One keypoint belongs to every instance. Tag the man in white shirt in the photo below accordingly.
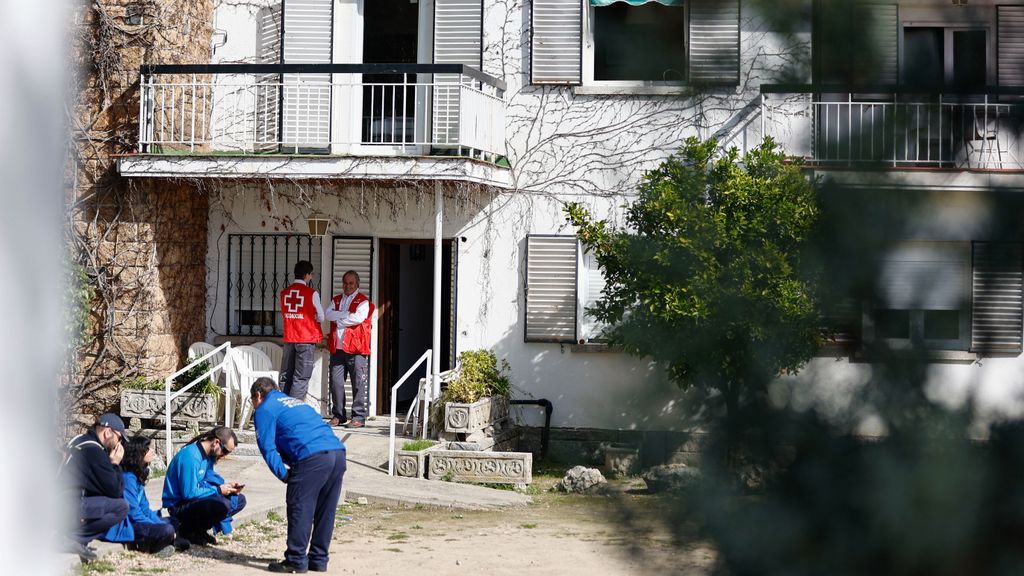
(350, 314)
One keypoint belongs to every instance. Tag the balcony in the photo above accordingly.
(320, 120)
(881, 127)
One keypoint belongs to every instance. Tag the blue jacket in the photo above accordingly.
(191, 476)
(139, 511)
(289, 430)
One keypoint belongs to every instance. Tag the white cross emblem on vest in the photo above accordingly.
(293, 301)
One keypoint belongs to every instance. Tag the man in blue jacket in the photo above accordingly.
(301, 450)
(195, 495)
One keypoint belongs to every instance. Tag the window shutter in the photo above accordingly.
(997, 305)
(550, 288)
(458, 30)
(884, 35)
(268, 91)
(352, 253)
(556, 42)
(715, 42)
(308, 29)
(591, 286)
(1010, 44)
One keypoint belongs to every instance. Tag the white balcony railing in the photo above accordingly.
(358, 109)
(960, 131)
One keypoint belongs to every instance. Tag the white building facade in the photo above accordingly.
(483, 117)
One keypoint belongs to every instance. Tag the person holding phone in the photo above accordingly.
(92, 470)
(194, 494)
(302, 451)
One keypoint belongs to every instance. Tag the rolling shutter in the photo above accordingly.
(352, 253)
(996, 314)
(1010, 44)
(308, 27)
(883, 31)
(268, 90)
(550, 288)
(458, 30)
(592, 285)
(715, 42)
(556, 42)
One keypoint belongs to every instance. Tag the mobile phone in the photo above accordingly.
(240, 486)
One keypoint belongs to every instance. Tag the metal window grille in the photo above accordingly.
(259, 267)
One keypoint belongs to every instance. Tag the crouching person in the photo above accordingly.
(302, 451)
(92, 470)
(152, 533)
(195, 495)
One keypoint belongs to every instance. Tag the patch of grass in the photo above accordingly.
(417, 527)
(141, 570)
(96, 567)
(497, 486)
(344, 510)
(393, 549)
(274, 516)
(417, 445)
(457, 516)
(528, 526)
(398, 536)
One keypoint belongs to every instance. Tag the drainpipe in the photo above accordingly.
(544, 435)
(435, 364)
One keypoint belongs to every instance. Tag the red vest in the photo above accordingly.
(357, 338)
(299, 312)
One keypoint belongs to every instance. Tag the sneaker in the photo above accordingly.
(201, 539)
(285, 567)
(182, 544)
(85, 554)
(335, 422)
(165, 552)
(317, 568)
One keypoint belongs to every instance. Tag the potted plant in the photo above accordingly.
(410, 461)
(142, 398)
(477, 396)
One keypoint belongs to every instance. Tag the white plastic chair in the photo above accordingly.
(273, 351)
(200, 349)
(248, 364)
(319, 393)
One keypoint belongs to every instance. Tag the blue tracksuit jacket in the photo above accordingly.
(289, 430)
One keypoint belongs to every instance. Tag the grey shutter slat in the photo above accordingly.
(458, 26)
(550, 288)
(352, 254)
(556, 43)
(1010, 45)
(308, 29)
(714, 47)
(996, 312)
(883, 32)
(268, 90)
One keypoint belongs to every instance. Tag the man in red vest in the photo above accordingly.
(350, 315)
(300, 307)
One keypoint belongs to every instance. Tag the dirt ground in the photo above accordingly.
(558, 535)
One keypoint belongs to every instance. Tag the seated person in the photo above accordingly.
(195, 495)
(92, 471)
(152, 533)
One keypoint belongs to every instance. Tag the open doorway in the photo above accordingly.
(405, 314)
(389, 37)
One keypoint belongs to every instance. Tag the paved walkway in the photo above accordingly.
(366, 477)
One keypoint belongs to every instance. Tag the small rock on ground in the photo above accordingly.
(581, 480)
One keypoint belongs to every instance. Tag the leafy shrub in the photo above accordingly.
(479, 377)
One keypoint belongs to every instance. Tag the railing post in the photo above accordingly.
(168, 446)
(192, 134)
(142, 112)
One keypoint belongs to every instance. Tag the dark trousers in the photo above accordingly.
(151, 537)
(314, 486)
(356, 366)
(296, 369)
(96, 515)
(204, 513)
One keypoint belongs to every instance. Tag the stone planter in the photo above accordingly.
(479, 466)
(188, 407)
(413, 463)
(470, 418)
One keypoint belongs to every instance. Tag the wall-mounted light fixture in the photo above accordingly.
(318, 224)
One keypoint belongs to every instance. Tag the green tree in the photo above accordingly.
(707, 276)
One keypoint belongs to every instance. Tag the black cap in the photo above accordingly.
(112, 421)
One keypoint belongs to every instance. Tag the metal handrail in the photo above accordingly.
(168, 397)
(394, 407)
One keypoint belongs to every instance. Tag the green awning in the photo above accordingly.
(636, 2)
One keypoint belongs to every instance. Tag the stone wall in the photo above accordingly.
(587, 446)
(143, 243)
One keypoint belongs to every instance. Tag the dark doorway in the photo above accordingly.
(389, 37)
(405, 314)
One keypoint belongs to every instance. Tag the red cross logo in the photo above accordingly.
(293, 301)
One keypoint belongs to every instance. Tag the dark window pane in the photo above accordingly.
(942, 324)
(639, 42)
(922, 57)
(968, 59)
(892, 324)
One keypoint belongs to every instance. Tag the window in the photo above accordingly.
(923, 297)
(259, 267)
(936, 57)
(646, 42)
(635, 42)
(562, 281)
